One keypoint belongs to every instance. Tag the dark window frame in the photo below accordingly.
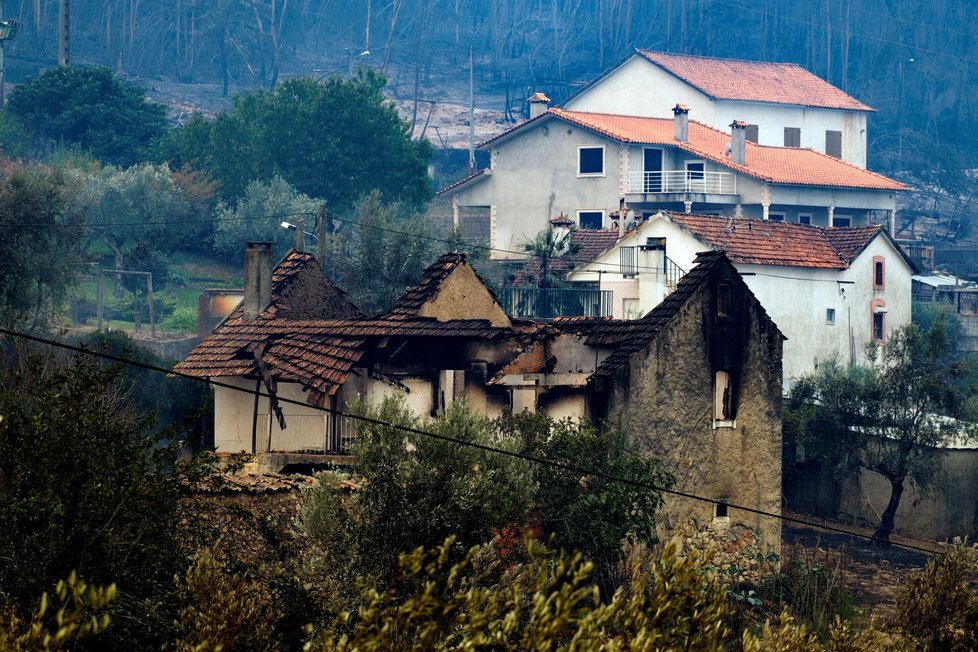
(593, 166)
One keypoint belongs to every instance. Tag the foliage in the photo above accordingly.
(392, 247)
(142, 203)
(144, 257)
(417, 490)
(170, 401)
(85, 484)
(258, 214)
(546, 247)
(39, 254)
(937, 607)
(183, 318)
(222, 610)
(88, 107)
(889, 417)
(548, 603)
(83, 614)
(590, 513)
(337, 139)
(812, 586)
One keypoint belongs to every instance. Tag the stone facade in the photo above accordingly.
(666, 399)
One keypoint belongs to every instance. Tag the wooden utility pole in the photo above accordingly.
(471, 111)
(64, 51)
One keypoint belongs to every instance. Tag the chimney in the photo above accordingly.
(258, 279)
(538, 104)
(738, 142)
(680, 121)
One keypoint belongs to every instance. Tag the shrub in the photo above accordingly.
(182, 319)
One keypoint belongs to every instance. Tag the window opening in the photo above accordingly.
(833, 143)
(723, 397)
(590, 219)
(590, 161)
(792, 137)
(830, 315)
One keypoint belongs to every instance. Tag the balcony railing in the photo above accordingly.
(547, 303)
(711, 183)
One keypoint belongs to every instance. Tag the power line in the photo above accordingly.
(454, 440)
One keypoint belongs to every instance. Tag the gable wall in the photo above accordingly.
(664, 401)
(462, 295)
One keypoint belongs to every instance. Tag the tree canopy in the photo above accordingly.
(335, 139)
(90, 108)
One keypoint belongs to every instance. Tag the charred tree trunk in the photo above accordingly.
(881, 537)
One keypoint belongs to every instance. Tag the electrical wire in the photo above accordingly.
(454, 440)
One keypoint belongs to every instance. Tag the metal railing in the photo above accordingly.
(547, 303)
(711, 183)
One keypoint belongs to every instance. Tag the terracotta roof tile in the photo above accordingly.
(786, 165)
(761, 242)
(754, 81)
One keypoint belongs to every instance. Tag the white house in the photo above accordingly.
(584, 164)
(829, 290)
(782, 103)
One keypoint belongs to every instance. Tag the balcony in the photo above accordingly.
(547, 303)
(682, 181)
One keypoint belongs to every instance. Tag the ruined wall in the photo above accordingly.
(664, 399)
(463, 296)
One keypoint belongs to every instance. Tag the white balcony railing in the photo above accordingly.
(711, 183)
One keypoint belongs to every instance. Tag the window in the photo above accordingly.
(833, 143)
(694, 176)
(775, 217)
(629, 260)
(879, 272)
(804, 218)
(720, 510)
(590, 161)
(723, 397)
(751, 133)
(792, 137)
(724, 299)
(830, 315)
(842, 221)
(879, 324)
(590, 219)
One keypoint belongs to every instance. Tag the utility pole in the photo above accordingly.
(471, 112)
(64, 51)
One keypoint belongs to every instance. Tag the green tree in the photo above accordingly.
(417, 490)
(890, 417)
(86, 484)
(546, 247)
(378, 252)
(90, 108)
(258, 215)
(590, 513)
(336, 139)
(143, 203)
(40, 256)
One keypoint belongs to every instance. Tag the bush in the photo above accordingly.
(936, 606)
(183, 318)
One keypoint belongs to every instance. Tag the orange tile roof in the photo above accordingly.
(787, 165)
(761, 242)
(754, 81)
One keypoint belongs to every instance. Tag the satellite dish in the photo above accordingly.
(728, 149)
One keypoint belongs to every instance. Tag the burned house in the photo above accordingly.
(696, 382)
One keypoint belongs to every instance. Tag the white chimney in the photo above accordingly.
(680, 114)
(539, 103)
(738, 142)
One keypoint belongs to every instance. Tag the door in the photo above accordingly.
(652, 168)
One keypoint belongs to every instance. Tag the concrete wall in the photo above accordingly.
(664, 401)
(949, 510)
(641, 88)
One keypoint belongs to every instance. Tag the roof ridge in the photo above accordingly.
(738, 60)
